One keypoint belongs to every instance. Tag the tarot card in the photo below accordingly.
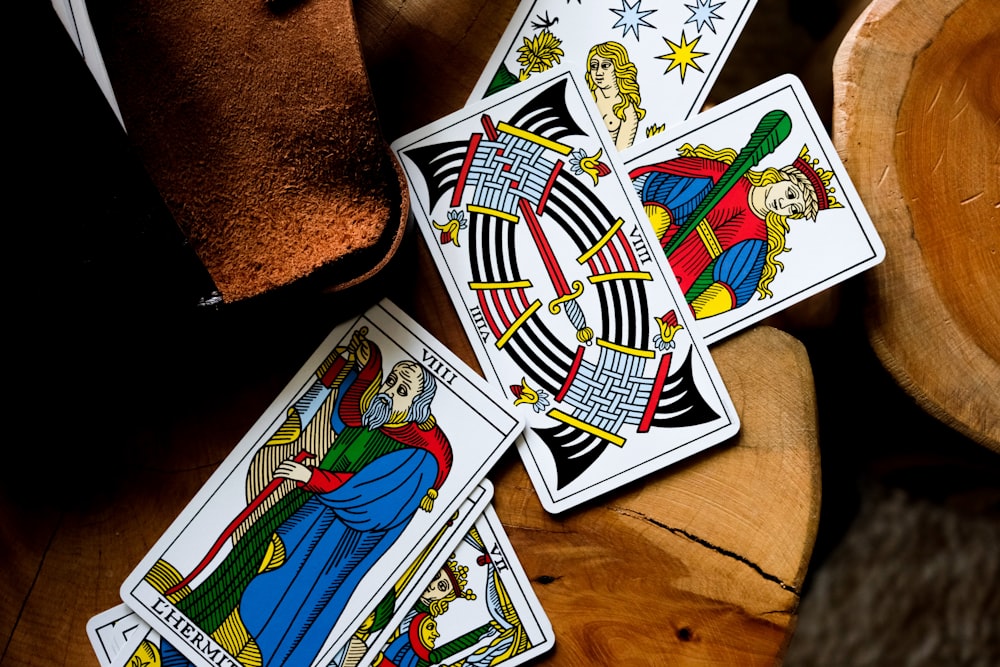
(648, 64)
(478, 609)
(752, 207)
(273, 561)
(570, 308)
(415, 576)
(115, 631)
(145, 646)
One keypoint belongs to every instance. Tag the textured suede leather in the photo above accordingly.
(257, 125)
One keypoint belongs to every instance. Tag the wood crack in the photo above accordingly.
(27, 593)
(708, 545)
(472, 23)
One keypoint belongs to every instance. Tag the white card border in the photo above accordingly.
(635, 155)
(134, 592)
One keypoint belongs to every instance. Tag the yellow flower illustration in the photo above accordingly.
(523, 393)
(668, 329)
(539, 53)
(449, 230)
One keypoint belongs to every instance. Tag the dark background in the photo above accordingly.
(102, 289)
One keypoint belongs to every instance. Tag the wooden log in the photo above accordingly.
(917, 124)
(700, 564)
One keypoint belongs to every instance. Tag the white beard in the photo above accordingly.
(379, 412)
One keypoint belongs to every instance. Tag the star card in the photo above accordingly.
(752, 207)
(647, 64)
(568, 302)
(363, 458)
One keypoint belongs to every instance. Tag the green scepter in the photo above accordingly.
(772, 129)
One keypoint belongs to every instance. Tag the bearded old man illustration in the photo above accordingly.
(283, 586)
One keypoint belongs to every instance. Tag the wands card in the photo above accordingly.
(647, 64)
(752, 207)
(477, 610)
(564, 294)
(317, 512)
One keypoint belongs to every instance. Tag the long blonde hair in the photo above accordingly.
(776, 225)
(626, 77)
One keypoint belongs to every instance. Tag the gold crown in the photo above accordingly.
(459, 575)
(818, 177)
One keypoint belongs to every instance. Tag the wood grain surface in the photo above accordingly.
(698, 564)
(701, 563)
(917, 124)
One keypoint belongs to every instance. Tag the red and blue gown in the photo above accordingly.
(734, 259)
(334, 528)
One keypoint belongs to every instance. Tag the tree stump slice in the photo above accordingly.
(699, 564)
(917, 124)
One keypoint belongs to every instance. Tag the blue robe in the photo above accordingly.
(331, 542)
(741, 263)
(331, 538)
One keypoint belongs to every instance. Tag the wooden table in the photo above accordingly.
(701, 563)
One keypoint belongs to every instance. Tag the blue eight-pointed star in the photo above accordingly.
(632, 17)
(703, 13)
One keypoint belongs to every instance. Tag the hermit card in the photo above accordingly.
(476, 610)
(145, 646)
(354, 469)
(752, 207)
(115, 631)
(562, 290)
(648, 64)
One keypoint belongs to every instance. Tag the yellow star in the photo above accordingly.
(682, 55)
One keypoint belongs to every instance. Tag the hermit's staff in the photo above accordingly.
(301, 457)
(334, 371)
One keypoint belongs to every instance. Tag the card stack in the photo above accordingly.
(596, 235)
(351, 525)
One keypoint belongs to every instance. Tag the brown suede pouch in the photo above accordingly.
(257, 125)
